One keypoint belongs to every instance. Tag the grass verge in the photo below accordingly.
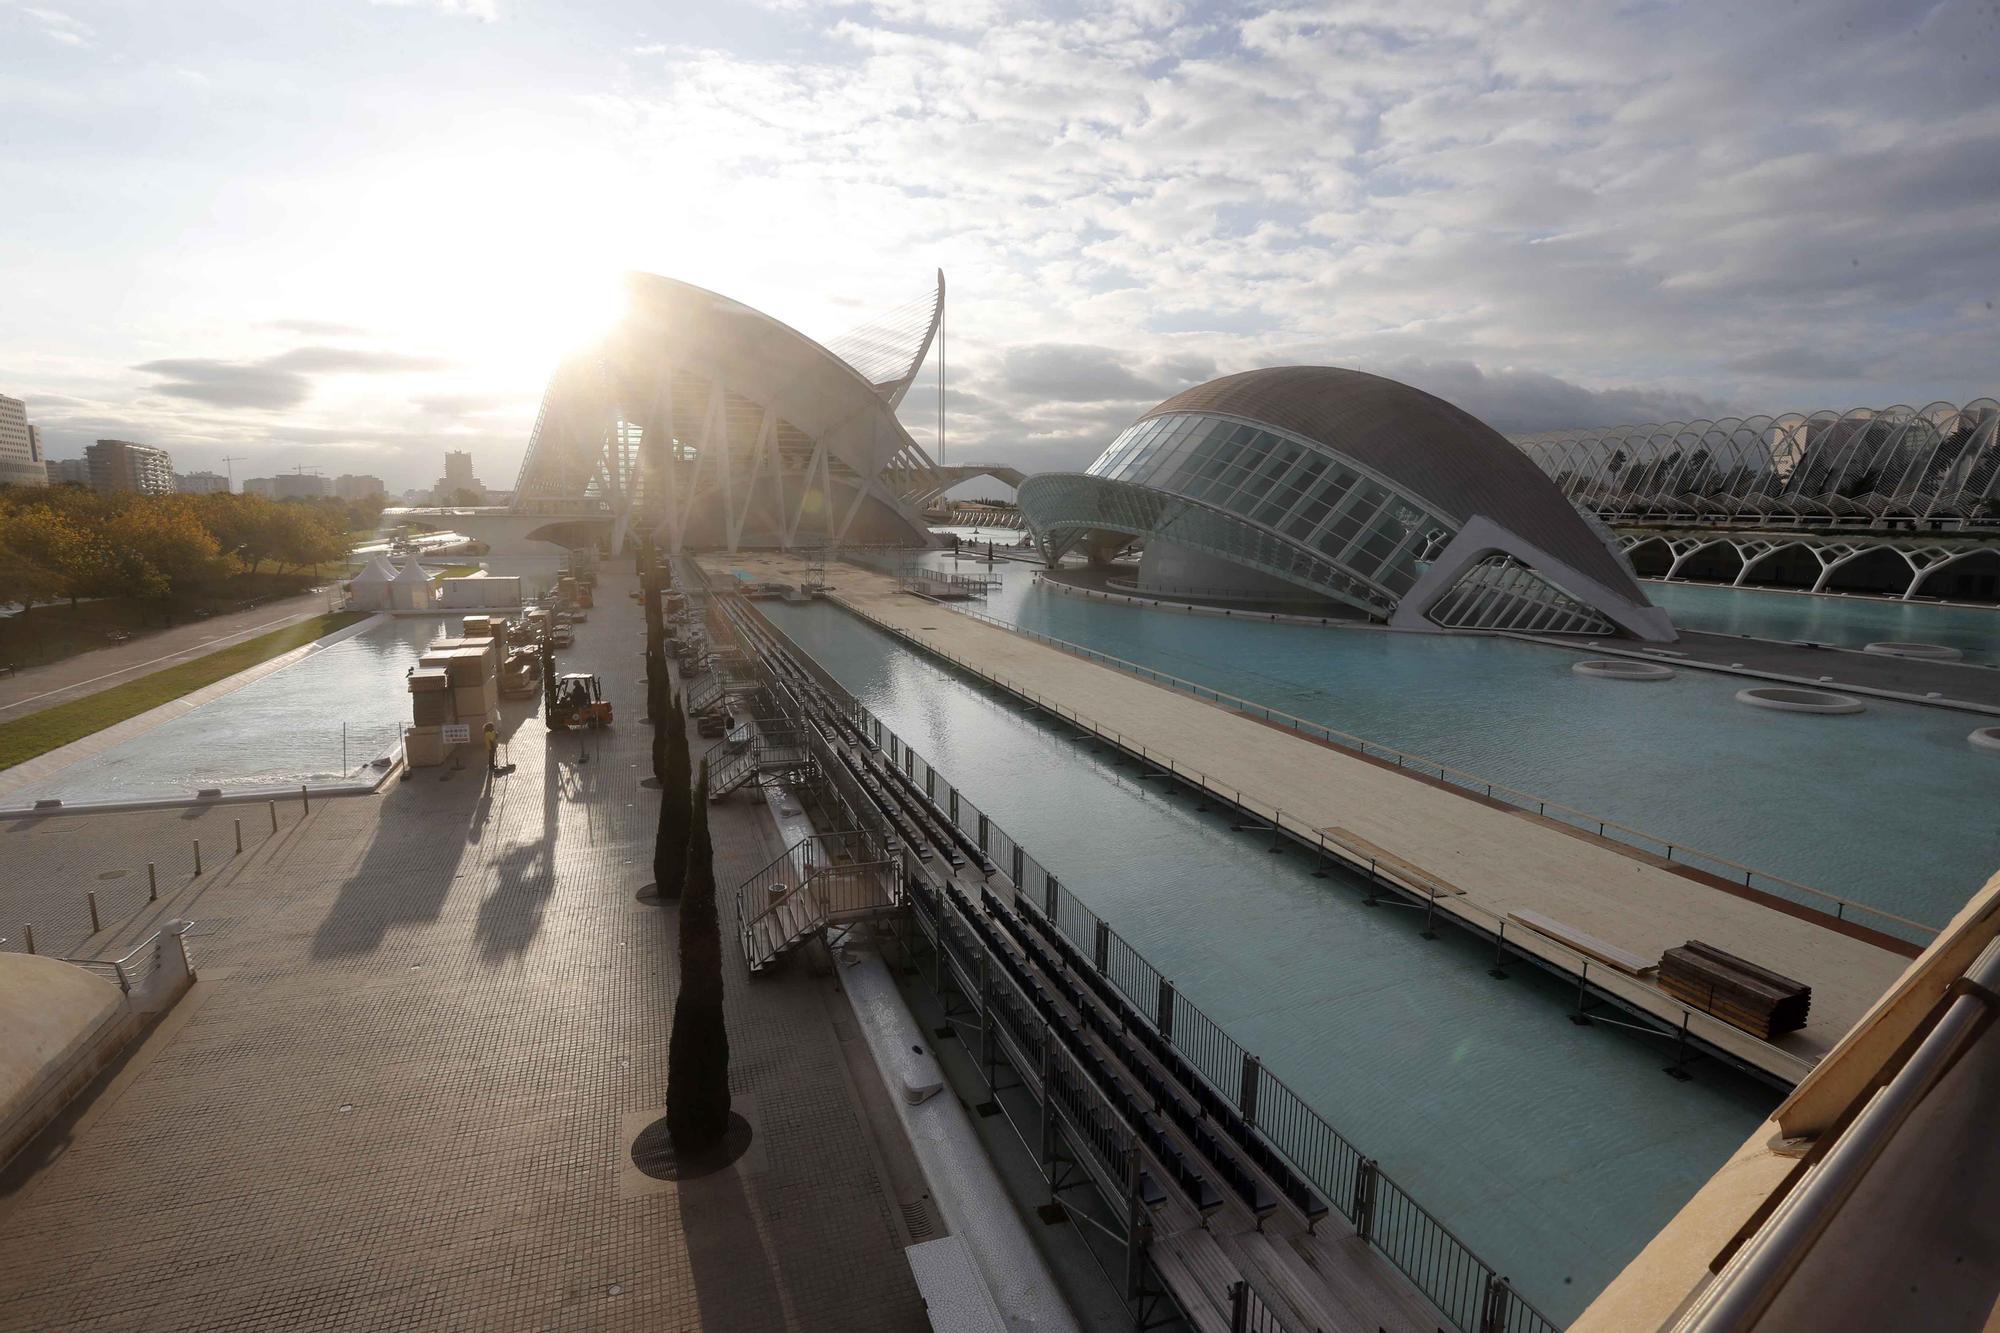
(38, 733)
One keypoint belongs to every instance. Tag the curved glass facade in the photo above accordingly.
(1350, 519)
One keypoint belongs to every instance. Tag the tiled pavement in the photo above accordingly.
(402, 1094)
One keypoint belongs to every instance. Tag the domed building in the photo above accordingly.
(1363, 495)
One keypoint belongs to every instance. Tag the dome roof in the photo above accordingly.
(1441, 453)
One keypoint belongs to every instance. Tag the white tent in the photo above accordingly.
(373, 588)
(412, 589)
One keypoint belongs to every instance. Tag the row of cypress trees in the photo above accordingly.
(684, 869)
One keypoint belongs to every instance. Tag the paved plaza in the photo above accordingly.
(427, 1027)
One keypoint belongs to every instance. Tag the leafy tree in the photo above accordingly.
(160, 549)
(54, 541)
(698, 1051)
(23, 577)
(304, 537)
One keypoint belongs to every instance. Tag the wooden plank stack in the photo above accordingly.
(1738, 992)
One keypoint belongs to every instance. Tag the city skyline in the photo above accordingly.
(1553, 223)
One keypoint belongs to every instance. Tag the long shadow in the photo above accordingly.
(405, 875)
(737, 1269)
(510, 916)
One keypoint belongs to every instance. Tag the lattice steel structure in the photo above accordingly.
(711, 424)
(1937, 467)
(1350, 488)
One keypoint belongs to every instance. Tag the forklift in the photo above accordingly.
(579, 702)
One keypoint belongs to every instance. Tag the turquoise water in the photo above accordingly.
(1891, 808)
(280, 731)
(1849, 622)
(1555, 1151)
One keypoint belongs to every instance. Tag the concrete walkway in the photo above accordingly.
(404, 1090)
(1501, 860)
(31, 689)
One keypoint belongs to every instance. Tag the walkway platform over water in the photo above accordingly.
(1502, 862)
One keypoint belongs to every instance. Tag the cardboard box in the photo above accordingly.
(424, 746)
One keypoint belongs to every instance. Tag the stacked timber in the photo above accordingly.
(1735, 990)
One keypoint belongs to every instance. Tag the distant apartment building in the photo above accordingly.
(201, 483)
(458, 477)
(358, 486)
(21, 461)
(69, 472)
(303, 486)
(289, 486)
(121, 465)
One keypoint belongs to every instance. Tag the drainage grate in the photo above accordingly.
(917, 1220)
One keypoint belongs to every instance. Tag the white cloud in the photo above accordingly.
(63, 29)
(486, 11)
(1541, 212)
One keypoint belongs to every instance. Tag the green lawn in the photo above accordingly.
(41, 732)
(50, 633)
(454, 572)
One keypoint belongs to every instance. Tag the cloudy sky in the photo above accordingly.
(344, 235)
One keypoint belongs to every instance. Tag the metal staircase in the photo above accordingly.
(738, 758)
(824, 883)
(704, 693)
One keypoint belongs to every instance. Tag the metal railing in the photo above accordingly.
(1627, 990)
(132, 971)
(1889, 923)
(1429, 1254)
(840, 875)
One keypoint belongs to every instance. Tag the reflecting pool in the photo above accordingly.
(1849, 622)
(1890, 807)
(321, 720)
(1555, 1151)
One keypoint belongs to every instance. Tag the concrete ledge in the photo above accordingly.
(63, 1025)
(249, 796)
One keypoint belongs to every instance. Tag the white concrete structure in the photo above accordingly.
(1332, 485)
(711, 424)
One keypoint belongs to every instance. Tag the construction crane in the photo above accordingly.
(229, 471)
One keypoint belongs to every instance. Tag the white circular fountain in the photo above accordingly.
(1791, 699)
(1929, 652)
(1610, 668)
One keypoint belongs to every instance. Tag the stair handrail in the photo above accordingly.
(803, 861)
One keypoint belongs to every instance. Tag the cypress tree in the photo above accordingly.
(657, 684)
(547, 656)
(670, 845)
(698, 1053)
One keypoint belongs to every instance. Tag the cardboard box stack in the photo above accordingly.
(457, 680)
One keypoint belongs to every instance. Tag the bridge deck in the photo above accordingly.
(1503, 860)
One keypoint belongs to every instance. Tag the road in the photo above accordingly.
(33, 689)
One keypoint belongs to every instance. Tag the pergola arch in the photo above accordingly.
(1938, 465)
